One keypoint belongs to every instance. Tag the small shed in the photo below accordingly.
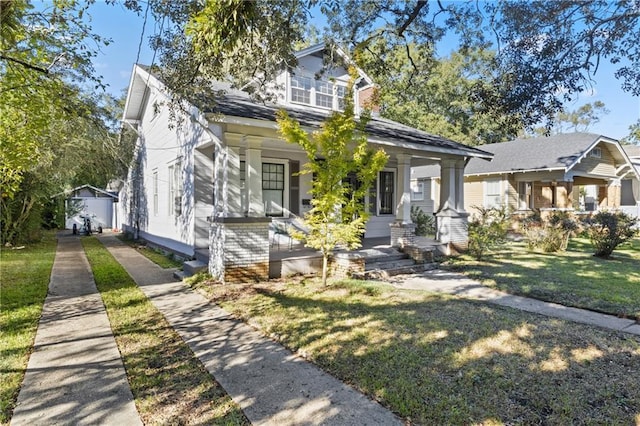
(97, 204)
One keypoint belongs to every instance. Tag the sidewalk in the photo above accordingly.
(75, 374)
(269, 383)
(457, 284)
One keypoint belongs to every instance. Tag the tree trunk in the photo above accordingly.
(325, 268)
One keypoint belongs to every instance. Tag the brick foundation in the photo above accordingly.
(344, 265)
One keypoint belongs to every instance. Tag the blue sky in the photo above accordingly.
(124, 27)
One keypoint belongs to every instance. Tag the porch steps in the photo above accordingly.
(190, 268)
(390, 262)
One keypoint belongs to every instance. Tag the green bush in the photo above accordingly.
(425, 223)
(551, 235)
(487, 231)
(607, 230)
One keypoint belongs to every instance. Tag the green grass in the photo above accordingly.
(572, 278)
(169, 384)
(161, 259)
(24, 280)
(437, 359)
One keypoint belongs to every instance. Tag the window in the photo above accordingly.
(175, 189)
(525, 197)
(300, 89)
(273, 188)
(324, 94)
(341, 92)
(596, 152)
(155, 192)
(321, 93)
(493, 195)
(385, 192)
(417, 191)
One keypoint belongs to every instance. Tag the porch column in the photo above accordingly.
(233, 183)
(451, 218)
(253, 182)
(403, 231)
(447, 185)
(459, 175)
(220, 208)
(403, 208)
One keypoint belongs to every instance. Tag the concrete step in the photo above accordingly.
(192, 267)
(202, 254)
(385, 264)
(385, 274)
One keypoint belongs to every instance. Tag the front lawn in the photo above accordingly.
(24, 280)
(437, 359)
(169, 384)
(571, 278)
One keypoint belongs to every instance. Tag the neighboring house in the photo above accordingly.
(94, 203)
(218, 180)
(578, 172)
(630, 185)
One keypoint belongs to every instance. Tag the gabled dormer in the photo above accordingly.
(320, 79)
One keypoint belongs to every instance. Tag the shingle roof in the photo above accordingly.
(239, 104)
(544, 153)
(553, 152)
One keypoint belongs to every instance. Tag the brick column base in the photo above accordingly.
(239, 249)
(403, 234)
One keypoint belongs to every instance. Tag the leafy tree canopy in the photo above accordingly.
(544, 53)
(55, 132)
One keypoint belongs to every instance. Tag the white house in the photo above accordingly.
(630, 184)
(219, 179)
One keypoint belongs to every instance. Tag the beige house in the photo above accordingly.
(578, 172)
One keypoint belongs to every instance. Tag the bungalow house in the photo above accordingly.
(578, 172)
(217, 181)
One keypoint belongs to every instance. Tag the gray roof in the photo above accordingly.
(557, 152)
(237, 103)
(545, 153)
(633, 151)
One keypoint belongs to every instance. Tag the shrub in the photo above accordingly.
(607, 230)
(425, 223)
(551, 235)
(487, 231)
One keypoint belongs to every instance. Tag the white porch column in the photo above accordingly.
(403, 208)
(459, 174)
(233, 183)
(253, 182)
(447, 185)
(220, 208)
(451, 218)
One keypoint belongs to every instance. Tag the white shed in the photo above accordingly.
(97, 204)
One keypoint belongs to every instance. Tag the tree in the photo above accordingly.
(337, 151)
(442, 97)
(578, 120)
(51, 131)
(545, 52)
(634, 134)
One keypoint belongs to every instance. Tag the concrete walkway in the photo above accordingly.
(75, 374)
(457, 284)
(269, 383)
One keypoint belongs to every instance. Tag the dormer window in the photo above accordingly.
(324, 94)
(320, 93)
(300, 89)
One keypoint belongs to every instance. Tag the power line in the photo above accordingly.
(144, 24)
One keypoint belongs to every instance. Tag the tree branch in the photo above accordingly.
(414, 14)
(25, 64)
